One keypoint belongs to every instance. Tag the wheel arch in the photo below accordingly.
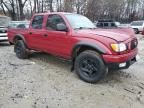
(19, 37)
(82, 46)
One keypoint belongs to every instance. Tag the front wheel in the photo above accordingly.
(90, 67)
(21, 50)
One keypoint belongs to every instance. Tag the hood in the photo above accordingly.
(119, 34)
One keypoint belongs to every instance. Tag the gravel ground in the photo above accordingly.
(44, 81)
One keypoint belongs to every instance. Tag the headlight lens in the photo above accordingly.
(119, 47)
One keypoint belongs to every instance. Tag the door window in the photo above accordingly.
(37, 22)
(52, 22)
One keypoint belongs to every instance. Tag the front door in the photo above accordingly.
(58, 42)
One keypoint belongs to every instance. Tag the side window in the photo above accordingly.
(37, 22)
(52, 22)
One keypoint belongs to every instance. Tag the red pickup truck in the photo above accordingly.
(71, 36)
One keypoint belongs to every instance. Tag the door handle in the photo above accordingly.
(45, 35)
(30, 33)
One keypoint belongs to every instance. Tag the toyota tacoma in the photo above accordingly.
(92, 51)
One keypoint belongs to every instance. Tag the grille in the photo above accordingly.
(134, 44)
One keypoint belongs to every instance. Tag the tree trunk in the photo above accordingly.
(4, 12)
(21, 6)
(51, 6)
(22, 17)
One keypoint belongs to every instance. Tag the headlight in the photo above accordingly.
(119, 47)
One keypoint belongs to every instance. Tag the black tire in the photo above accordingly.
(90, 67)
(136, 31)
(21, 50)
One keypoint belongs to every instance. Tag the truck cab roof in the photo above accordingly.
(64, 13)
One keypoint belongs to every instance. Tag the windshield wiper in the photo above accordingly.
(80, 28)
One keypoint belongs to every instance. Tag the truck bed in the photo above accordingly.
(13, 32)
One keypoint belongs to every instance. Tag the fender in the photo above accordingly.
(19, 36)
(92, 45)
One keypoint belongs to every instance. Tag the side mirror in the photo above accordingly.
(62, 27)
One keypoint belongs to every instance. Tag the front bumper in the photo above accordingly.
(121, 61)
(124, 65)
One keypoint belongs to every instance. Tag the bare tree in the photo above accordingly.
(21, 7)
(79, 5)
(59, 5)
(68, 5)
(2, 7)
(10, 6)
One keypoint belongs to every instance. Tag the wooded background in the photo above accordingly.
(120, 10)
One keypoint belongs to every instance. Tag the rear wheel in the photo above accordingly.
(90, 67)
(21, 50)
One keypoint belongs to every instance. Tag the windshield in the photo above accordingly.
(79, 21)
(137, 23)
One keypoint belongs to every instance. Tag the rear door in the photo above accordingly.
(36, 33)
